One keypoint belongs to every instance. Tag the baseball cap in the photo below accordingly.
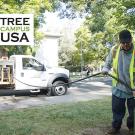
(125, 36)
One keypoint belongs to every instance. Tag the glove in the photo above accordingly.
(105, 71)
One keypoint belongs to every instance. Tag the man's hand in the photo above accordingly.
(105, 71)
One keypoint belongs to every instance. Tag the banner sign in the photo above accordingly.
(16, 29)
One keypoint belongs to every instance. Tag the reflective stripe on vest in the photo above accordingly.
(131, 68)
(115, 65)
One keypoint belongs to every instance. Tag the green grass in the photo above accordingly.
(65, 119)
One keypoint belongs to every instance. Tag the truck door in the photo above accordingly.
(31, 73)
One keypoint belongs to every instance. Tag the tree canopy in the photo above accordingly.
(104, 20)
(36, 7)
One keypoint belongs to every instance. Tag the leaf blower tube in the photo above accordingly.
(27, 92)
(122, 82)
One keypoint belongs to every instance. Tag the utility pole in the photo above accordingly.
(81, 58)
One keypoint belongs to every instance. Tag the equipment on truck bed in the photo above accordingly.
(6, 73)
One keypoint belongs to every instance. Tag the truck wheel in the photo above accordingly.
(61, 89)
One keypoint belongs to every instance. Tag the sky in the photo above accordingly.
(54, 24)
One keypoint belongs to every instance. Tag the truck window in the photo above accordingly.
(30, 63)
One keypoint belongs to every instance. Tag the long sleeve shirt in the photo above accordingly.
(124, 60)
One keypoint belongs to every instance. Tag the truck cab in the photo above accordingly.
(29, 74)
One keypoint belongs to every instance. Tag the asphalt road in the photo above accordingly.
(88, 89)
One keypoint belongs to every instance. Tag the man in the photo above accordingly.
(122, 60)
(87, 68)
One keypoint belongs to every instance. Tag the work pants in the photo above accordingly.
(119, 109)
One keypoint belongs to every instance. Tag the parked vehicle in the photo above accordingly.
(25, 72)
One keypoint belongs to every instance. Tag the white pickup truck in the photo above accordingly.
(25, 72)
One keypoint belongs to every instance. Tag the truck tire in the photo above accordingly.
(61, 89)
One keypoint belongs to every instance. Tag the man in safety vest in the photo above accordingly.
(122, 60)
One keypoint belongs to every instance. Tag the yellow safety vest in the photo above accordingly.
(115, 53)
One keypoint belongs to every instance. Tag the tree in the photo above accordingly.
(36, 7)
(103, 22)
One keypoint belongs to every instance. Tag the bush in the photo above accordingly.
(74, 68)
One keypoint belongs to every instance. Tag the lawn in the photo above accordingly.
(64, 119)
